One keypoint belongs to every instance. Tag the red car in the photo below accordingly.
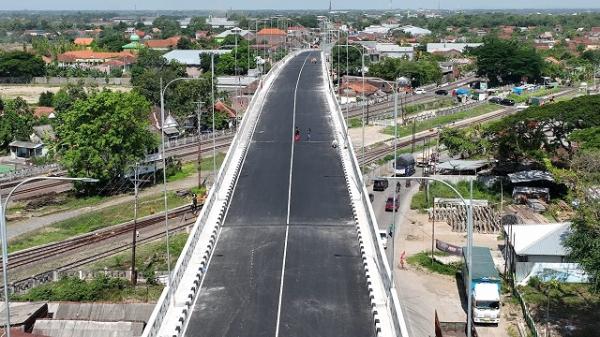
(389, 204)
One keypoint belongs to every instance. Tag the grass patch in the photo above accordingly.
(354, 123)
(576, 304)
(406, 130)
(423, 259)
(102, 288)
(436, 104)
(149, 257)
(70, 201)
(188, 169)
(439, 190)
(92, 221)
(538, 93)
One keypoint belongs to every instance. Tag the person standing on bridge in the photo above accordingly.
(297, 135)
(308, 134)
(194, 203)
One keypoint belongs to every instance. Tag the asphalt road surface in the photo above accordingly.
(287, 261)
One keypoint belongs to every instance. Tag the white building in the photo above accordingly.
(244, 34)
(415, 31)
(538, 242)
(383, 50)
(215, 22)
(446, 47)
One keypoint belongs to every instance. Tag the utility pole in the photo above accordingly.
(198, 115)
(136, 183)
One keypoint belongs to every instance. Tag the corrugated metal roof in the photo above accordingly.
(532, 175)
(462, 165)
(540, 239)
(191, 57)
(27, 145)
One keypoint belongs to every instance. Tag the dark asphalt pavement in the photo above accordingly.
(324, 291)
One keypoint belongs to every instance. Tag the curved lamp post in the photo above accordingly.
(4, 235)
(469, 207)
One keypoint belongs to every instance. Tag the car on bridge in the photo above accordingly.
(389, 204)
(441, 92)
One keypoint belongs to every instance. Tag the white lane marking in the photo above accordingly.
(193, 307)
(287, 227)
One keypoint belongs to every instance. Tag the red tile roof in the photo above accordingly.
(83, 41)
(222, 107)
(271, 32)
(358, 88)
(74, 55)
(43, 111)
(166, 43)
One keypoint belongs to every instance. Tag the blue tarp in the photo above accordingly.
(518, 90)
(462, 91)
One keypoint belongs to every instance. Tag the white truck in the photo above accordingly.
(485, 285)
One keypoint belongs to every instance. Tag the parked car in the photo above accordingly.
(495, 100)
(380, 185)
(383, 236)
(507, 102)
(441, 92)
(389, 204)
(420, 91)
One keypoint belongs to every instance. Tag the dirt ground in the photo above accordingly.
(31, 93)
(422, 292)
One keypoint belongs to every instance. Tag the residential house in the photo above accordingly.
(448, 47)
(242, 33)
(84, 42)
(201, 35)
(89, 58)
(44, 111)
(164, 44)
(220, 23)
(357, 88)
(26, 149)
(537, 242)
(392, 50)
(271, 36)
(232, 115)
(192, 58)
(298, 31)
(415, 31)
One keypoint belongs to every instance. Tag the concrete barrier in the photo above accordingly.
(171, 313)
(387, 314)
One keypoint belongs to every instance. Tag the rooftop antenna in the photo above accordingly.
(391, 5)
(329, 6)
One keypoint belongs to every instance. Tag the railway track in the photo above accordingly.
(41, 253)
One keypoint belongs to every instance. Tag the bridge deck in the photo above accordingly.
(289, 219)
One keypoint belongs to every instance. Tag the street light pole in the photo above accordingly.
(4, 236)
(135, 215)
(469, 207)
(198, 115)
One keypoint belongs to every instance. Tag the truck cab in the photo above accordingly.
(486, 303)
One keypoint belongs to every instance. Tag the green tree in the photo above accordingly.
(354, 59)
(112, 40)
(100, 136)
(46, 98)
(168, 26)
(16, 122)
(185, 43)
(507, 61)
(198, 23)
(66, 96)
(419, 72)
(21, 64)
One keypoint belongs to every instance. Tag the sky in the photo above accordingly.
(288, 4)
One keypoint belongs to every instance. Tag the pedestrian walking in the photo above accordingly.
(194, 203)
(297, 135)
(402, 258)
(308, 134)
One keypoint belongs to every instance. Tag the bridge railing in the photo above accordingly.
(167, 298)
(381, 262)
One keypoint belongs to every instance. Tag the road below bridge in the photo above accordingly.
(287, 260)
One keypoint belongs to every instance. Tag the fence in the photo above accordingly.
(167, 297)
(28, 172)
(88, 81)
(194, 138)
(381, 263)
(528, 319)
(24, 285)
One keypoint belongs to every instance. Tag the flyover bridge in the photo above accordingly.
(286, 244)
